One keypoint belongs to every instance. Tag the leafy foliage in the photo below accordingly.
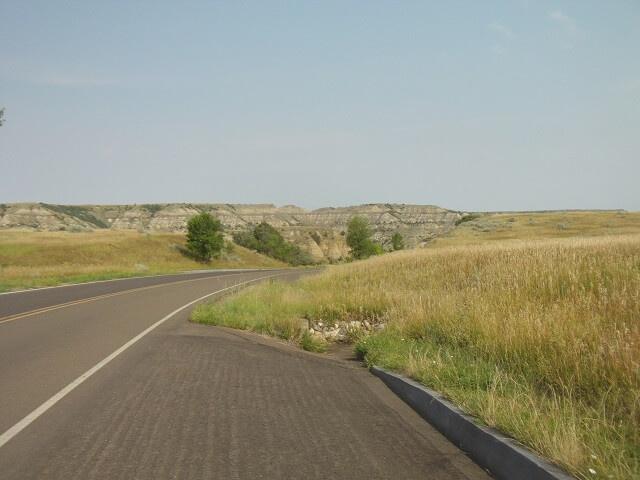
(397, 242)
(359, 238)
(204, 236)
(265, 239)
(1, 116)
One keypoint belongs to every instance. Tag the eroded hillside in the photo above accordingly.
(321, 231)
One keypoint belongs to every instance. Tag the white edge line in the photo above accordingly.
(22, 424)
(186, 272)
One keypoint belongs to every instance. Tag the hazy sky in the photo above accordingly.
(505, 105)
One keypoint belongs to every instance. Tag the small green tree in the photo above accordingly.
(1, 116)
(204, 236)
(359, 238)
(397, 242)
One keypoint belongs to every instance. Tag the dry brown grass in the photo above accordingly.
(520, 226)
(31, 259)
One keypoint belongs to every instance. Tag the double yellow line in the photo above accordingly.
(11, 318)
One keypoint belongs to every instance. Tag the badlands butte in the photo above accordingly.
(321, 231)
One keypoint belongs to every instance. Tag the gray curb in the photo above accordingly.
(498, 454)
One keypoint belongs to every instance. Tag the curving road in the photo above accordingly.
(110, 380)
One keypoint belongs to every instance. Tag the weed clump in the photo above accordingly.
(313, 343)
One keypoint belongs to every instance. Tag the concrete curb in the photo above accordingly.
(490, 449)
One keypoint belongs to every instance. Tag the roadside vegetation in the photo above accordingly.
(30, 259)
(265, 239)
(539, 338)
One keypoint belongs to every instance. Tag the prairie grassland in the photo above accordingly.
(507, 226)
(539, 338)
(33, 259)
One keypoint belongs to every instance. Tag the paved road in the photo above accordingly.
(193, 402)
(29, 300)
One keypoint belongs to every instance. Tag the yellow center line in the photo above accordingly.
(17, 316)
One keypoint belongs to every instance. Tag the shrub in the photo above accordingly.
(397, 242)
(267, 240)
(204, 236)
(359, 238)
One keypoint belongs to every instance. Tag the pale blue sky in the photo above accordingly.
(505, 105)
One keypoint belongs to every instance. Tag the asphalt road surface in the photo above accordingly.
(110, 381)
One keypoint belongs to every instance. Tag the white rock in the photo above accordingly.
(331, 335)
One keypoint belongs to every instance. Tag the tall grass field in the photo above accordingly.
(35, 259)
(538, 337)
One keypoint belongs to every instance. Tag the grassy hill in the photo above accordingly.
(31, 259)
(506, 226)
(531, 322)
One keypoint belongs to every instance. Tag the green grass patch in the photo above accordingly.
(253, 309)
(264, 308)
(313, 343)
(16, 250)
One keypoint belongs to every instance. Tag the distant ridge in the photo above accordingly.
(320, 231)
(563, 210)
(174, 216)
